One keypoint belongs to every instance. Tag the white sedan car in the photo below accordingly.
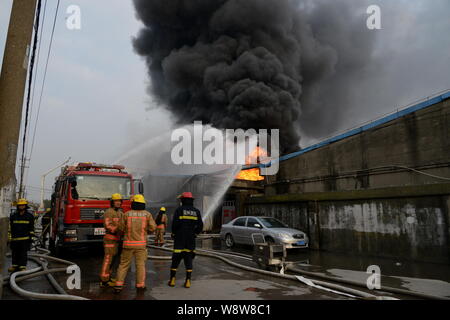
(248, 230)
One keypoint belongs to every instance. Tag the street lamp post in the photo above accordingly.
(43, 182)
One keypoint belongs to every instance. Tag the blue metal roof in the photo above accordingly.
(400, 113)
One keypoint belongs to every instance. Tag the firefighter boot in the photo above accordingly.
(173, 272)
(187, 283)
(117, 290)
(13, 269)
(107, 284)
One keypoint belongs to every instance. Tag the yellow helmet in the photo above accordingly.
(139, 198)
(116, 196)
(163, 209)
(22, 202)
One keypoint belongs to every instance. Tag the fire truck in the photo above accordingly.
(81, 195)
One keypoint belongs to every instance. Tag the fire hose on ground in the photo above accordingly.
(42, 261)
(220, 255)
(332, 287)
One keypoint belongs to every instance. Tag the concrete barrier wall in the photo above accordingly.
(364, 194)
(406, 228)
(375, 158)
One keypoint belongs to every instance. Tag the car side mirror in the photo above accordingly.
(257, 225)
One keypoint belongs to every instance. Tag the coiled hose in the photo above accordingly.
(42, 261)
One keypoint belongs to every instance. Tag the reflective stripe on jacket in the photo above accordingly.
(136, 224)
(21, 226)
(111, 222)
(186, 224)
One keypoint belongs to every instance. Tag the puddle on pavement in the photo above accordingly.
(429, 278)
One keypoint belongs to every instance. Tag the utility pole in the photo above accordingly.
(12, 89)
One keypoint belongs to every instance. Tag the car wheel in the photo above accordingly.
(270, 240)
(229, 241)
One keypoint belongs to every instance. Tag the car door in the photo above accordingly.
(239, 230)
(252, 227)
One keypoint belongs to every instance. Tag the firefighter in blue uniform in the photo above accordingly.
(186, 225)
(22, 233)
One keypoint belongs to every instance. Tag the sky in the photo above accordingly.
(96, 105)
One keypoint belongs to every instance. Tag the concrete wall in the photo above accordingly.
(368, 160)
(359, 194)
(414, 228)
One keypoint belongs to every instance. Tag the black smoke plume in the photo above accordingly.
(243, 63)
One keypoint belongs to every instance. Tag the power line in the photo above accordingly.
(40, 40)
(30, 80)
(45, 76)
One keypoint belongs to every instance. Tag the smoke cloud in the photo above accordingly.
(233, 63)
(306, 67)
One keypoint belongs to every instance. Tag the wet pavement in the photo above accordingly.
(428, 278)
(216, 280)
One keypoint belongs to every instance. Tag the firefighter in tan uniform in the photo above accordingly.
(135, 224)
(161, 225)
(111, 241)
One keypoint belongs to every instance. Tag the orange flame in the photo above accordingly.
(252, 158)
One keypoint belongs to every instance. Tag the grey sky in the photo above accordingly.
(94, 105)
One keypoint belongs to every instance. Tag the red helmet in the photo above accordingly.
(187, 195)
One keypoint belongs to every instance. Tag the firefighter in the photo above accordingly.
(112, 241)
(186, 225)
(161, 225)
(22, 233)
(45, 222)
(135, 224)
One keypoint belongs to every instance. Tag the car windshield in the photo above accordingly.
(101, 187)
(272, 223)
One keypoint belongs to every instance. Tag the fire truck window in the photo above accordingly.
(74, 191)
(102, 187)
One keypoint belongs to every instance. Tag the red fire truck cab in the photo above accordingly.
(81, 195)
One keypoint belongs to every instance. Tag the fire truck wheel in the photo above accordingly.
(55, 246)
(58, 247)
(51, 246)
